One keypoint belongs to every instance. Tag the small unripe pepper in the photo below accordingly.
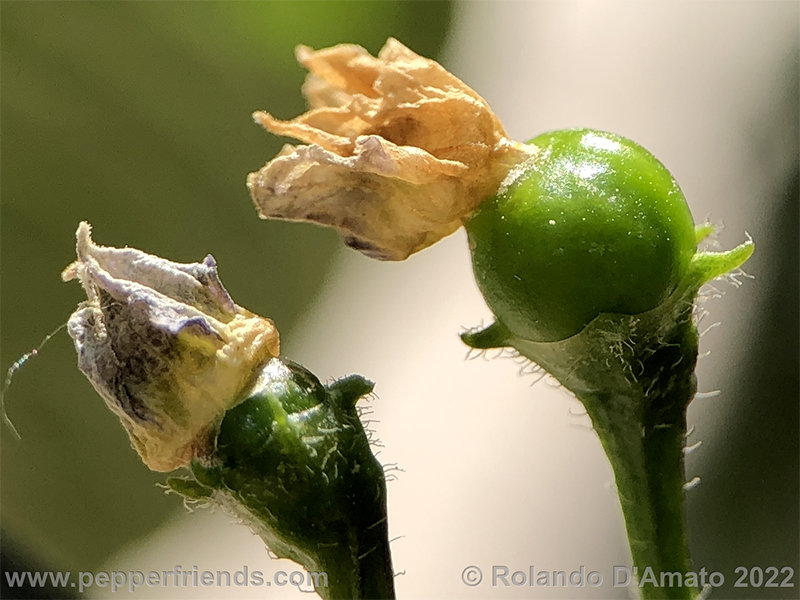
(587, 259)
(595, 225)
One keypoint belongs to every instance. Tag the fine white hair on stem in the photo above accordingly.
(732, 277)
(473, 353)
(689, 449)
(390, 471)
(691, 484)
(493, 353)
(710, 327)
(541, 375)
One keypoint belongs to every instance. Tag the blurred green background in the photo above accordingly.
(135, 116)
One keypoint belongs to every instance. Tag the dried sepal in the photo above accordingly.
(399, 151)
(165, 345)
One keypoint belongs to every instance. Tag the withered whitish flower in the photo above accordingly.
(165, 345)
(399, 151)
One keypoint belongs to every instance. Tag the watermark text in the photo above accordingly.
(178, 577)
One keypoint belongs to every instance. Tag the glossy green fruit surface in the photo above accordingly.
(595, 225)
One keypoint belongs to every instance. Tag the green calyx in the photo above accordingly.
(294, 462)
(581, 361)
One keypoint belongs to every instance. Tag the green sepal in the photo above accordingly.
(189, 488)
(345, 392)
(208, 476)
(705, 266)
(701, 232)
(495, 335)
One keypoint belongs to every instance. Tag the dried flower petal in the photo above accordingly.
(400, 151)
(165, 345)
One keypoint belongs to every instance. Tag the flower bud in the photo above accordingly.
(400, 151)
(165, 345)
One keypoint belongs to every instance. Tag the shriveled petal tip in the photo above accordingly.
(399, 151)
(379, 213)
(121, 271)
(165, 345)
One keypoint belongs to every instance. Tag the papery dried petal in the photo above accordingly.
(165, 345)
(401, 151)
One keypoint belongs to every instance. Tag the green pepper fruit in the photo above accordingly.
(596, 225)
(587, 258)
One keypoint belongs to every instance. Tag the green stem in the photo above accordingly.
(635, 376)
(643, 433)
(361, 567)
